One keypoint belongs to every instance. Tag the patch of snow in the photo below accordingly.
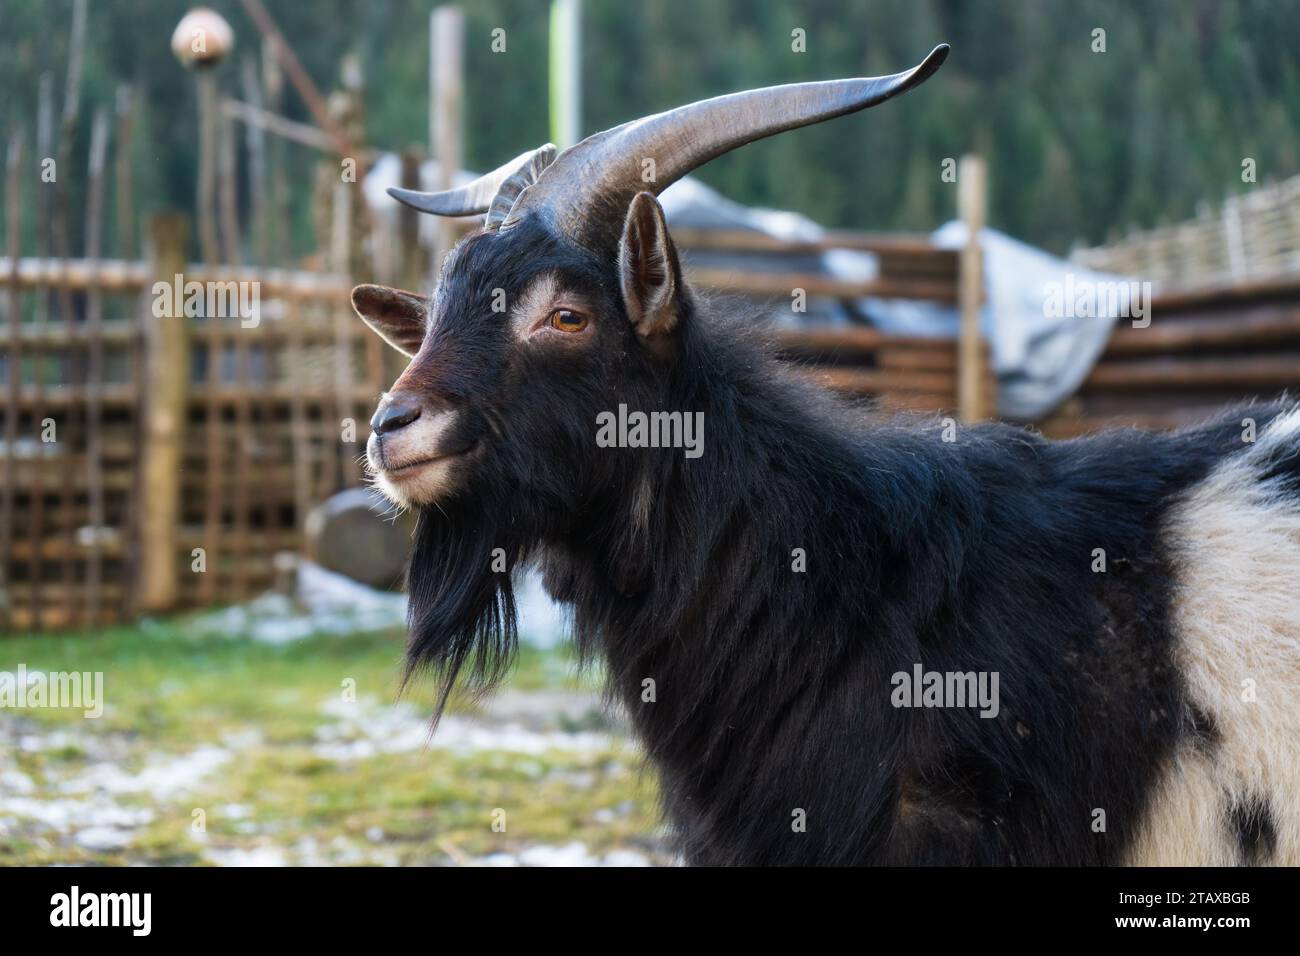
(37, 743)
(63, 814)
(15, 781)
(161, 779)
(325, 603)
(237, 856)
(571, 854)
(103, 838)
(364, 729)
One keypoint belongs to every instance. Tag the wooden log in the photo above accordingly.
(208, 119)
(942, 359)
(1247, 374)
(743, 240)
(298, 424)
(214, 465)
(344, 329)
(167, 364)
(1262, 325)
(875, 382)
(255, 144)
(446, 107)
(1225, 294)
(354, 533)
(849, 340)
(124, 188)
(972, 196)
(743, 282)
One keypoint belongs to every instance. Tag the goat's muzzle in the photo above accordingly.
(413, 447)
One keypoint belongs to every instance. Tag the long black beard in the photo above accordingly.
(461, 614)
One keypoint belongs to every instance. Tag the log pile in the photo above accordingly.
(1203, 350)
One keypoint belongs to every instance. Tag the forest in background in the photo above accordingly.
(1081, 145)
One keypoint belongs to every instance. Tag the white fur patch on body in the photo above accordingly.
(1235, 615)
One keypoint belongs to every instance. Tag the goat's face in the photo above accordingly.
(526, 339)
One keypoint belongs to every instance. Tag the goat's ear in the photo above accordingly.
(397, 316)
(649, 271)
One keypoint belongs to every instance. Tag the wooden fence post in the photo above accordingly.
(446, 96)
(972, 186)
(166, 387)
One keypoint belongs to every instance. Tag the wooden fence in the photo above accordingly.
(1251, 237)
(143, 449)
(156, 459)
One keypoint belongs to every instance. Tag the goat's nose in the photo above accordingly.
(392, 416)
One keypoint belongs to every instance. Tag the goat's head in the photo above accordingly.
(567, 300)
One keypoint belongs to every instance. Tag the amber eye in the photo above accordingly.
(566, 321)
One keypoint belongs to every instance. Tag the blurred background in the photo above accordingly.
(1090, 216)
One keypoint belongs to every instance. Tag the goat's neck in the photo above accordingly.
(705, 559)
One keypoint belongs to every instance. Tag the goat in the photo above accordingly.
(787, 616)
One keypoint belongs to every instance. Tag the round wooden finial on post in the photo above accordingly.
(201, 41)
(202, 38)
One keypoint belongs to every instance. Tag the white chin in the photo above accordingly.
(419, 485)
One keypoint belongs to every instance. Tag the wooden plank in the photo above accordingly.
(167, 364)
(115, 276)
(118, 395)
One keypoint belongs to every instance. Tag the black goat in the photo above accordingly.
(838, 642)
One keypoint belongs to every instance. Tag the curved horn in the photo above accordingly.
(476, 197)
(602, 173)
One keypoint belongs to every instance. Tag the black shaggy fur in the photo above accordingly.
(772, 687)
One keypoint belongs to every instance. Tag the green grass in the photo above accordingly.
(273, 710)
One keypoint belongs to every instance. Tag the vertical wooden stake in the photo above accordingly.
(344, 337)
(971, 198)
(14, 374)
(446, 90)
(124, 189)
(167, 366)
(95, 367)
(208, 244)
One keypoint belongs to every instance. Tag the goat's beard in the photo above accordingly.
(461, 613)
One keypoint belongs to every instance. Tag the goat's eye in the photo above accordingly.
(567, 321)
